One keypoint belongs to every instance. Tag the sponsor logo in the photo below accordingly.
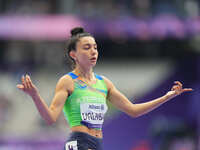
(102, 107)
(94, 107)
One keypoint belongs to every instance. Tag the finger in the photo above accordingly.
(24, 82)
(187, 89)
(172, 89)
(175, 87)
(28, 82)
(20, 86)
(178, 83)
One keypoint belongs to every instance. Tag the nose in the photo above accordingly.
(94, 51)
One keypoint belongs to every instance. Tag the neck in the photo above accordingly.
(86, 73)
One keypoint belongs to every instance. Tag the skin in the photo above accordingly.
(85, 56)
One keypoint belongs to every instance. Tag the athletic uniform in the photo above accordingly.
(85, 106)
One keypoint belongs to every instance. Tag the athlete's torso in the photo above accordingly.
(86, 106)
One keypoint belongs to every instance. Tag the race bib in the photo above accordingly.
(93, 113)
(72, 145)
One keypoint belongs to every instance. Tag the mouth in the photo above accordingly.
(93, 59)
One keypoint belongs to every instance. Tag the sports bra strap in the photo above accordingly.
(74, 76)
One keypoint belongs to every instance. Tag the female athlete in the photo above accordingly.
(82, 95)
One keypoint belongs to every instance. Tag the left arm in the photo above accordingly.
(121, 102)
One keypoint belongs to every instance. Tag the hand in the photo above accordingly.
(27, 86)
(177, 89)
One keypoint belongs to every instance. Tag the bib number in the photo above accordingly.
(93, 113)
(72, 145)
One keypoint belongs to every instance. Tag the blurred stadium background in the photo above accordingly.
(144, 46)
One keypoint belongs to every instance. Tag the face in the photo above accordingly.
(86, 53)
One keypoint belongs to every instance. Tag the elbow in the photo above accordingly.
(131, 114)
(134, 114)
(50, 122)
(132, 111)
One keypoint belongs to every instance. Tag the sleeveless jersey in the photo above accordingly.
(87, 103)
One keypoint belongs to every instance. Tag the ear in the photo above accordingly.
(72, 54)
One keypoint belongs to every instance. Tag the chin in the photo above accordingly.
(94, 65)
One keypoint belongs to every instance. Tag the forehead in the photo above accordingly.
(87, 40)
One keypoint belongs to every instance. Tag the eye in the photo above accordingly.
(87, 46)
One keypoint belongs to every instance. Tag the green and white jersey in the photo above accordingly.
(87, 104)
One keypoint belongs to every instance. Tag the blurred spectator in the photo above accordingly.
(167, 7)
(182, 144)
(34, 54)
(103, 8)
(18, 54)
(2, 52)
(55, 129)
(5, 108)
(191, 8)
(25, 7)
(173, 134)
(2, 6)
(141, 8)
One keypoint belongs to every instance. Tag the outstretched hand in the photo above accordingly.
(177, 89)
(27, 86)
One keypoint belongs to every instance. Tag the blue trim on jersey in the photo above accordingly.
(103, 91)
(72, 75)
(98, 77)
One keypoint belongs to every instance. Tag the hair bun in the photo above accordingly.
(76, 31)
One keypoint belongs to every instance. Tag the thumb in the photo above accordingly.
(20, 86)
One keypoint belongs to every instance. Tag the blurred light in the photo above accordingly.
(37, 27)
(57, 27)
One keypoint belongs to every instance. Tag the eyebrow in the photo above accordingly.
(89, 44)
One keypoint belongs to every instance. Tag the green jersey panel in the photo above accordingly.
(87, 104)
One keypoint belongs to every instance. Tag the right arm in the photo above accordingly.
(49, 114)
(135, 110)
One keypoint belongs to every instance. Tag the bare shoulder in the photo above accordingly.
(66, 79)
(105, 79)
(65, 82)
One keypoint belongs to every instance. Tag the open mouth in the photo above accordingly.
(93, 59)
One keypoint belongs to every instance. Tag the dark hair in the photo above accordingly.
(76, 34)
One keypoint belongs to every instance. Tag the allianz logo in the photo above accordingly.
(91, 106)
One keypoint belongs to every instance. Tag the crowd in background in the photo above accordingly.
(84, 8)
(103, 8)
